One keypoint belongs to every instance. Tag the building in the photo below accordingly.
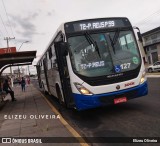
(151, 44)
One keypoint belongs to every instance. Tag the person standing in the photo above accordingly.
(28, 80)
(23, 84)
(8, 89)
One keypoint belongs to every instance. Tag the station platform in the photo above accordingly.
(32, 116)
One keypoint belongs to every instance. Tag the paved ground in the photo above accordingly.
(153, 75)
(28, 106)
(21, 118)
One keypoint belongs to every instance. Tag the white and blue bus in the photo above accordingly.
(92, 63)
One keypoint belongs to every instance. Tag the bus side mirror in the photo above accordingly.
(138, 33)
(64, 48)
(139, 36)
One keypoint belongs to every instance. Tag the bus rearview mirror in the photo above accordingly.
(139, 36)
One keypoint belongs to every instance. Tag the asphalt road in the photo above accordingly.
(137, 118)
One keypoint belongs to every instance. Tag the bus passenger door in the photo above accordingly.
(45, 73)
(64, 76)
(38, 75)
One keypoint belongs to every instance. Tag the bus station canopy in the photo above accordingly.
(16, 58)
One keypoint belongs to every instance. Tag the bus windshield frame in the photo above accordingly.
(104, 53)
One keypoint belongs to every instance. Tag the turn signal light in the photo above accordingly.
(143, 78)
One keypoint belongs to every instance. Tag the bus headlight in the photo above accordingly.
(82, 89)
(143, 78)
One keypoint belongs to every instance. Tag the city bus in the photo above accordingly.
(93, 63)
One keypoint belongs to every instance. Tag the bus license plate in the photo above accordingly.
(120, 100)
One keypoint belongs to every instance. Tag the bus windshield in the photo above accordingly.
(107, 53)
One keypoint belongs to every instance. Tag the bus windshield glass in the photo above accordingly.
(101, 54)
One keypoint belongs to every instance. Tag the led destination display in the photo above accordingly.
(96, 24)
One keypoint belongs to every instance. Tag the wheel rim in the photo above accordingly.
(150, 70)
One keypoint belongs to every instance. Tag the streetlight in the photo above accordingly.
(22, 44)
(18, 50)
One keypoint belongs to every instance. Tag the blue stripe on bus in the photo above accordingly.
(83, 102)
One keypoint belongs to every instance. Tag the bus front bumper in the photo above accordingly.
(83, 102)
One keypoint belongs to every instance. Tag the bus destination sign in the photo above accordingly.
(96, 24)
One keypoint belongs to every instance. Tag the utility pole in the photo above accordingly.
(7, 39)
(28, 71)
(18, 51)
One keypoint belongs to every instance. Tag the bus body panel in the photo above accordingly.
(108, 92)
(86, 102)
(108, 88)
(43, 81)
(112, 87)
(103, 88)
(53, 81)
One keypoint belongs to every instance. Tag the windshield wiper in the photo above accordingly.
(92, 42)
(112, 43)
(114, 40)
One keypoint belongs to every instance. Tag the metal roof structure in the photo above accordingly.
(16, 59)
(151, 31)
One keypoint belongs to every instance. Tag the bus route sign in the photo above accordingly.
(92, 24)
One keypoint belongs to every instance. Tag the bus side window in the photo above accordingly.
(42, 65)
(55, 63)
(53, 59)
(48, 61)
(50, 53)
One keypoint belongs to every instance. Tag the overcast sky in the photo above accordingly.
(37, 20)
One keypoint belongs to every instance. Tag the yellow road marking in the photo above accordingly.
(66, 124)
